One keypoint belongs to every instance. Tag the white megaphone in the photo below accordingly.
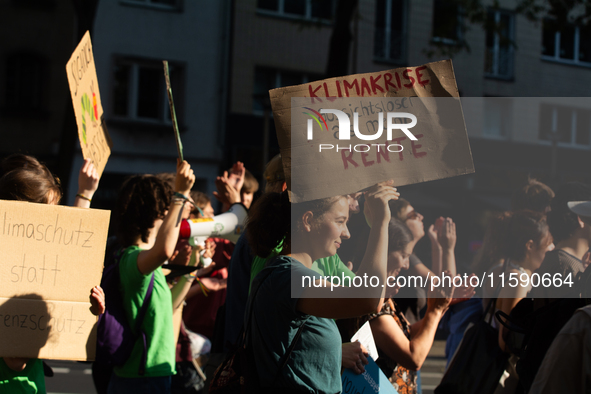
(228, 225)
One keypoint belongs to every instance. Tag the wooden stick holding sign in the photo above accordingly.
(175, 126)
(95, 141)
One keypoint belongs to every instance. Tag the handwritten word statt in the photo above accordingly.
(52, 257)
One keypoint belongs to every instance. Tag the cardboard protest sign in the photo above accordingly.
(372, 380)
(94, 139)
(51, 258)
(321, 161)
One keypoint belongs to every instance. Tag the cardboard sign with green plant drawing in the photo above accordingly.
(94, 139)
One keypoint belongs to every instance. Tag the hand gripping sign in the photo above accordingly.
(341, 135)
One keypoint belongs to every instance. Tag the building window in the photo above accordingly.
(139, 91)
(447, 26)
(266, 79)
(566, 125)
(158, 4)
(498, 116)
(25, 84)
(390, 34)
(299, 9)
(566, 43)
(500, 35)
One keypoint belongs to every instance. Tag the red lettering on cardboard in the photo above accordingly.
(419, 75)
(364, 161)
(364, 87)
(339, 88)
(387, 81)
(409, 77)
(348, 86)
(348, 159)
(398, 141)
(313, 93)
(416, 146)
(374, 84)
(328, 96)
(383, 152)
(398, 80)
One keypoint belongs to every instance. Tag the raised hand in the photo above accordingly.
(88, 181)
(97, 301)
(227, 193)
(446, 236)
(376, 201)
(236, 175)
(185, 178)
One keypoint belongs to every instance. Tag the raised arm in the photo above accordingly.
(168, 234)
(436, 251)
(88, 181)
(411, 353)
(447, 239)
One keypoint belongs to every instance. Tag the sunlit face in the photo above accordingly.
(328, 231)
(538, 253)
(208, 211)
(246, 198)
(397, 261)
(414, 221)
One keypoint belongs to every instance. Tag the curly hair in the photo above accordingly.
(26, 179)
(142, 199)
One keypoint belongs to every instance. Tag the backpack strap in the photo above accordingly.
(249, 308)
(285, 357)
(138, 326)
(490, 309)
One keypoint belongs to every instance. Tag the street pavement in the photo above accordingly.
(433, 367)
(69, 377)
(75, 377)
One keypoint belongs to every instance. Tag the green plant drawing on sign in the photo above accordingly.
(90, 108)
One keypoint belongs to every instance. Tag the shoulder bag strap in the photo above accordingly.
(285, 357)
(255, 290)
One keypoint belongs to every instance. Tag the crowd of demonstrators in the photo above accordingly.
(241, 261)
(402, 347)
(539, 237)
(527, 239)
(299, 337)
